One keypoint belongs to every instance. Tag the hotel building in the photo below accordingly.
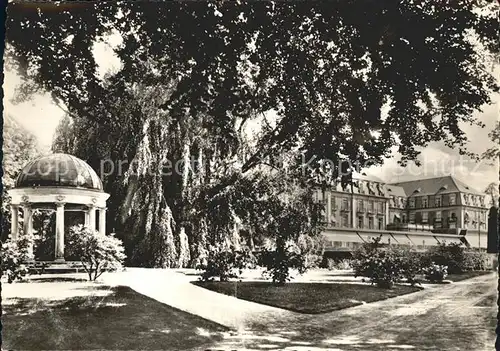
(417, 213)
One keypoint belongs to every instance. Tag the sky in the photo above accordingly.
(41, 117)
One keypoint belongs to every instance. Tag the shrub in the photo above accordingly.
(386, 265)
(411, 265)
(225, 263)
(436, 273)
(342, 264)
(452, 255)
(457, 258)
(98, 253)
(383, 268)
(15, 257)
(361, 257)
(476, 261)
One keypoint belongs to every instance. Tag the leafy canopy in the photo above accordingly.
(326, 68)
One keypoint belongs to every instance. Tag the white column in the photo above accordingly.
(14, 221)
(87, 218)
(102, 221)
(92, 217)
(59, 255)
(28, 224)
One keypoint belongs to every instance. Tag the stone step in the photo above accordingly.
(54, 267)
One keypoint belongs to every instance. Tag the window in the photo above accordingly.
(360, 187)
(412, 202)
(333, 204)
(453, 217)
(380, 223)
(361, 222)
(345, 220)
(437, 201)
(452, 199)
(323, 212)
(425, 203)
(370, 222)
(412, 217)
(360, 205)
(345, 204)
(425, 217)
(371, 207)
(381, 206)
(438, 216)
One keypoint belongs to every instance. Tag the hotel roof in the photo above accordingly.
(431, 186)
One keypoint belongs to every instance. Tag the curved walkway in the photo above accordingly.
(459, 316)
(174, 288)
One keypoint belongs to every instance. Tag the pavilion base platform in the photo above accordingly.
(56, 267)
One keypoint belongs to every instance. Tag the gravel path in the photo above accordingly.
(459, 316)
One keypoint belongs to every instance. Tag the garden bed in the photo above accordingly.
(310, 298)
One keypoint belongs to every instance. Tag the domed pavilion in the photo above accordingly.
(62, 182)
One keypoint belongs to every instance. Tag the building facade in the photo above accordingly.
(417, 213)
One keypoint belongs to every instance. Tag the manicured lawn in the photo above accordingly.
(312, 298)
(466, 275)
(99, 317)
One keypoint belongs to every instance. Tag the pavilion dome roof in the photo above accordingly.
(59, 170)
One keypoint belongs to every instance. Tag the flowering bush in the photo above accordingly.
(343, 264)
(15, 256)
(475, 261)
(452, 255)
(384, 268)
(98, 253)
(436, 273)
(386, 265)
(457, 258)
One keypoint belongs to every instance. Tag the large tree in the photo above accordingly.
(19, 147)
(194, 73)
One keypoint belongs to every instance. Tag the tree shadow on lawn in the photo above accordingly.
(123, 319)
(53, 280)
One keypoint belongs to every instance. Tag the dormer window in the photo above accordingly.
(379, 188)
(425, 203)
(412, 202)
(437, 201)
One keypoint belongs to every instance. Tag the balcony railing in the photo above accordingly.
(409, 227)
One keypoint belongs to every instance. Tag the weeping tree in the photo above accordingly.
(324, 70)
